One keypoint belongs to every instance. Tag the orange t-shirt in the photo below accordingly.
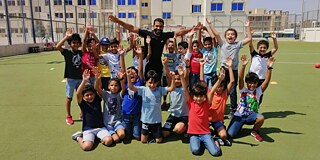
(218, 105)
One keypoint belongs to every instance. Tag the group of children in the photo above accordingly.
(198, 91)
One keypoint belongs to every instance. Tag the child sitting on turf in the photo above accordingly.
(231, 48)
(178, 118)
(151, 104)
(132, 102)
(92, 124)
(259, 59)
(72, 70)
(199, 101)
(112, 108)
(247, 110)
(219, 100)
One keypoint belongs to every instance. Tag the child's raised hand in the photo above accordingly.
(186, 61)
(148, 40)
(172, 74)
(96, 72)
(229, 62)
(131, 35)
(121, 74)
(202, 61)
(208, 21)
(273, 35)
(117, 28)
(69, 32)
(244, 60)
(247, 23)
(86, 75)
(164, 60)
(221, 74)
(271, 61)
(180, 70)
(252, 30)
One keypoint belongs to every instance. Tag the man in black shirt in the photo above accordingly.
(158, 40)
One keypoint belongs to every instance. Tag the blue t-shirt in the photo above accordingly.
(178, 104)
(211, 57)
(151, 104)
(112, 107)
(92, 115)
(132, 102)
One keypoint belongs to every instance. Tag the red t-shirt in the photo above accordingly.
(198, 117)
(88, 62)
(195, 62)
(218, 105)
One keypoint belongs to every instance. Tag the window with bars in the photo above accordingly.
(131, 15)
(81, 2)
(69, 15)
(166, 15)
(68, 2)
(196, 8)
(237, 7)
(82, 15)
(122, 15)
(121, 2)
(58, 15)
(23, 2)
(11, 2)
(144, 4)
(216, 6)
(93, 2)
(132, 2)
(57, 2)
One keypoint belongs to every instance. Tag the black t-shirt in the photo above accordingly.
(92, 114)
(72, 64)
(267, 55)
(157, 43)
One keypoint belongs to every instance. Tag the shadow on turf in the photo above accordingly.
(280, 114)
(264, 131)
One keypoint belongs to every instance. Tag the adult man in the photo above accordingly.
(158, 40)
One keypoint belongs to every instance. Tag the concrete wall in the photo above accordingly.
(310, 34)
(17, 49)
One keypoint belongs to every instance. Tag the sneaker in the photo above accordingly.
(231, 113)
(69, 120)
(76, 135)
(256, 135)
(227, 142)
(220, 141)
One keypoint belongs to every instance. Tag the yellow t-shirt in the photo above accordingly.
(105, 71)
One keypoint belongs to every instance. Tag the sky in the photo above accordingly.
(293, 6)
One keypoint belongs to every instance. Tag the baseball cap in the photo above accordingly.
(104, 41)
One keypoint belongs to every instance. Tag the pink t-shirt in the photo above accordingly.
(195, 62)
(88, 62)
(198, 117)
(218, 105)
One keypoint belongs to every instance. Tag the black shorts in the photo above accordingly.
(154, 129)
(172, 121)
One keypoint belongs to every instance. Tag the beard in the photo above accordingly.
(157, 31)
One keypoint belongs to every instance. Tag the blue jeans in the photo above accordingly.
(193, 78)
(208, 78)
(233, 92)
(206, 139)
(237, 123)
(132, 124)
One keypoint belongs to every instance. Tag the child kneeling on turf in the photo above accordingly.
(247, 110)
(112, 108)
(199, 103)
(92, 125)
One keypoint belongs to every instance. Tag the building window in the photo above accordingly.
(131, 15)
(57, 2)
(22, 15)
(166, 15)
(14, 30)
(11, 2)
(93, 15)
(166, 0)
(131, 2)
(216, 6)
(46, 2)
(107, 4)
(12, 15)
(68, 2)
(25, 30)
(121, 15)
(93, 2)
(23, 2)
(144, 4)
(1, 15)
(69, 15)
(144, 16)
(237, 7)
(58, 15)
(81, 2)
(196, 8)
(2, 30)
(121, 2)
(82, 15)
(37, 9)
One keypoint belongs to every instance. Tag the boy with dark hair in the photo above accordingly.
(72, 71)
(248, 106)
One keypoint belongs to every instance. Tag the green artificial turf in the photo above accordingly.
(32, 113)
